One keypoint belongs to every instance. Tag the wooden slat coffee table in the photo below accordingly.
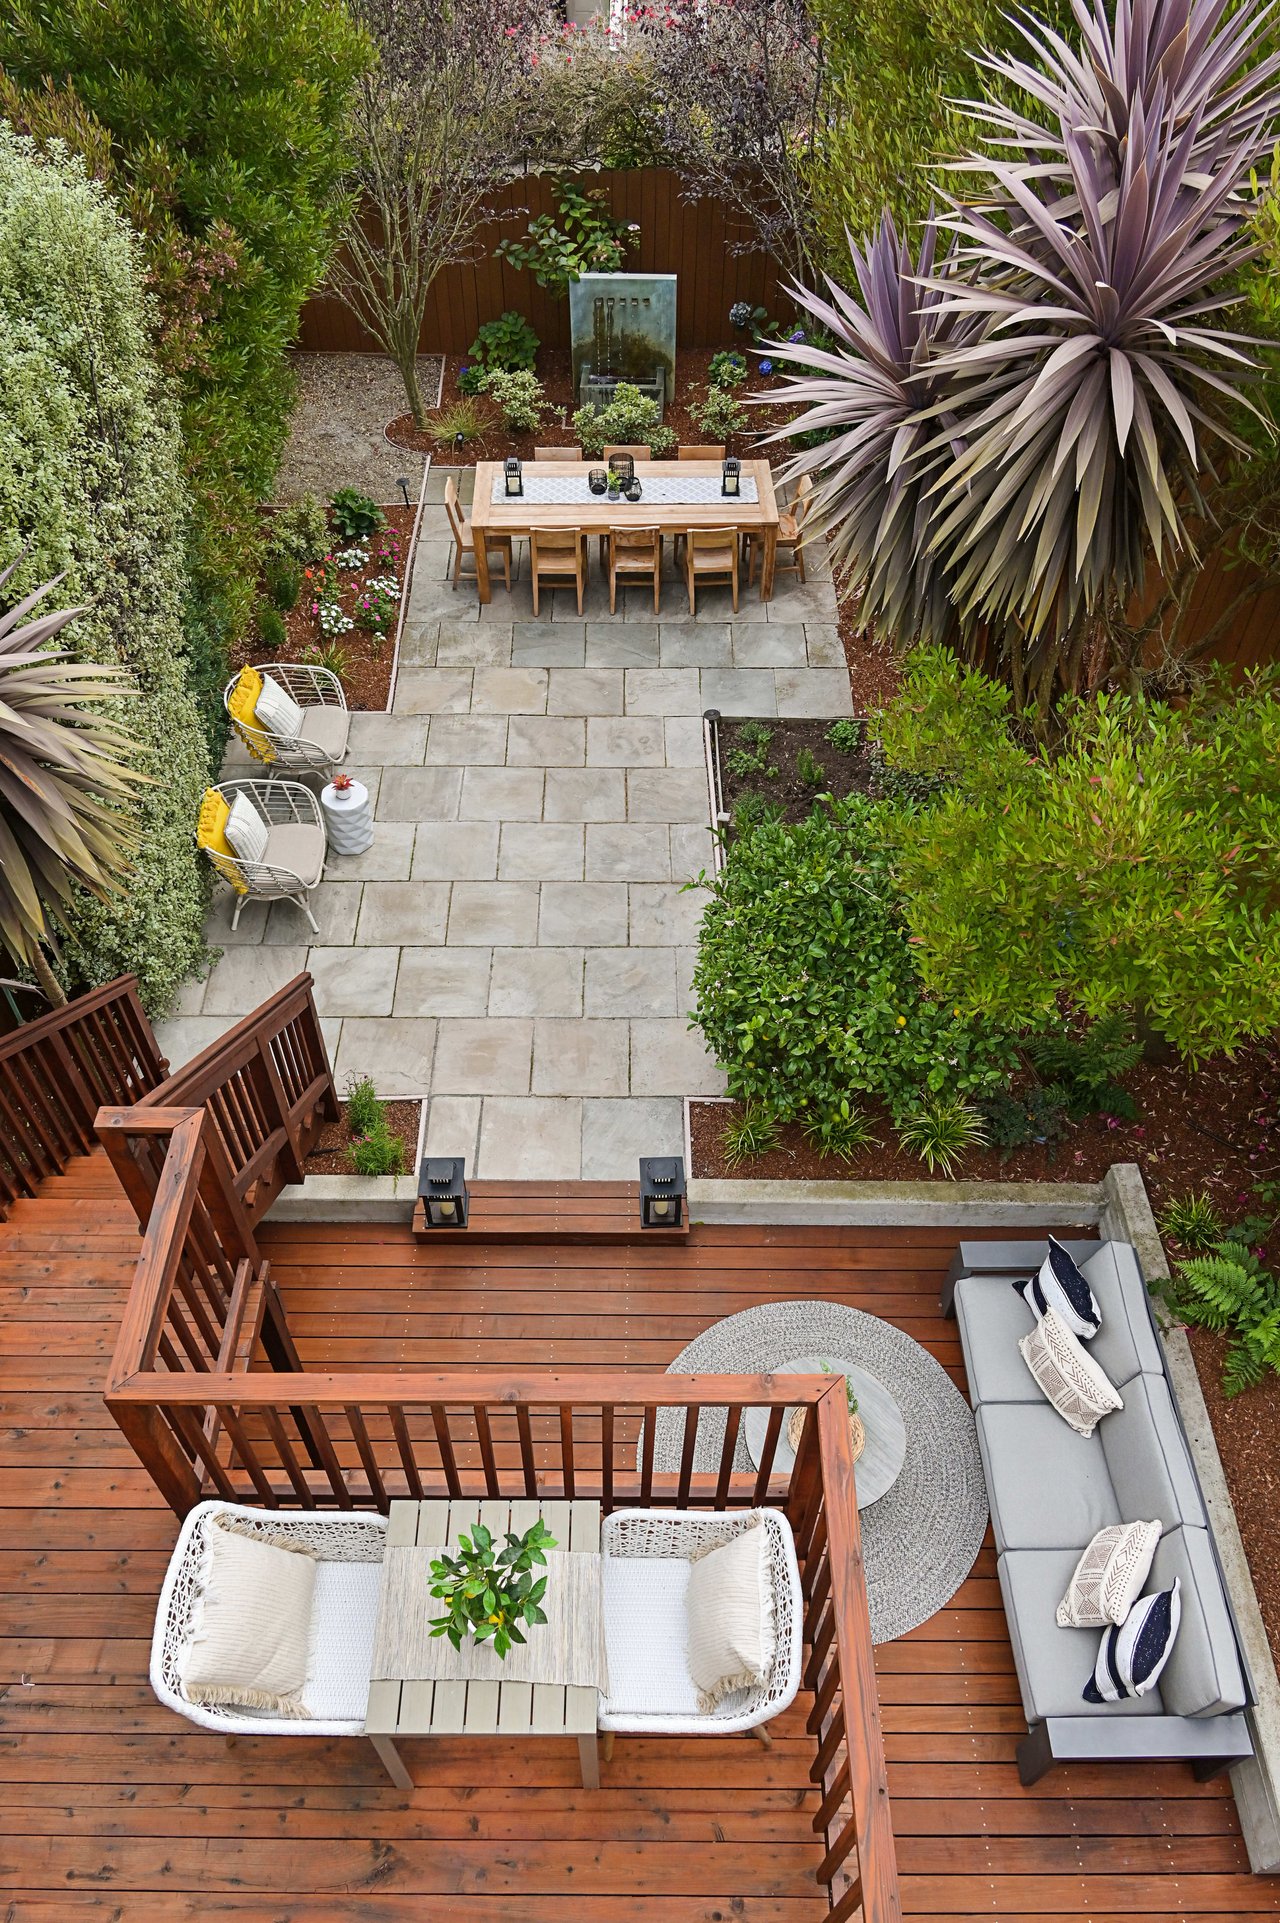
(596, 514)
(405, 1702)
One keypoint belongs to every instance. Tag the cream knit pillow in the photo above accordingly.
(729, 1604)
(1108, 1579)
(1078, 1389)
(251, 1622)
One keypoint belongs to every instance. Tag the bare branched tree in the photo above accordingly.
(435, 126)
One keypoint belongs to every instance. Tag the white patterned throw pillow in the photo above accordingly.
(1108, 1579)
(277, 711)
(1061, 1286)
(1075, 1385)
(1132, 1657)
(246, 830)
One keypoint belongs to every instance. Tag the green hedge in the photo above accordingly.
(91, 484)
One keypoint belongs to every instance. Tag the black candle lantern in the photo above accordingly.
(633, 489)
(597, 480)
(662, 1191)
(623, 466)
(731, 477)
(442, 1189)
(513, 481)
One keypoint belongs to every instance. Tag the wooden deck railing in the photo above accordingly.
(268, 1089)
(57, 1071)
(200, 1424)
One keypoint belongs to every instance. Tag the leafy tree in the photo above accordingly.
(92, 488)
(434, 126)
(1135, 867)
(220, 126)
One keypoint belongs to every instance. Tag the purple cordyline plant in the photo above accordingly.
(1079, 375)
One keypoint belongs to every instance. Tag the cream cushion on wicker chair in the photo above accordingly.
(298, 847)
(328, 728)
(246, 830)
(729, 1605)
(649, 1557)
(252, 1621)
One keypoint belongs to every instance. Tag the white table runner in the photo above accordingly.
(663, 490)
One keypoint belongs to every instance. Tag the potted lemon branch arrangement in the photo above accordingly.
(491, 1592)
(857, 1428)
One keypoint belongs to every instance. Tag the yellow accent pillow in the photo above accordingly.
(242, 704)
(211, 834)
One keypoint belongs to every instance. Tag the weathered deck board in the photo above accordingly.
(112, 1811)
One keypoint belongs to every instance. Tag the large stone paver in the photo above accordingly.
(518, 944)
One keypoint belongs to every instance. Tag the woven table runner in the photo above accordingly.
(662, 490)
(568, 1648)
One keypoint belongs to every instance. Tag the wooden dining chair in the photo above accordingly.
(557, 453)
(710, 554)
(635, 556)
(637, 453)
(790, 534)
(558, 556)
(701, 453)
(464, 539)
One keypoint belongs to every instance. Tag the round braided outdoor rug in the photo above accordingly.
(921, 1538)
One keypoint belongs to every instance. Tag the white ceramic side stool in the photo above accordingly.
(348, 818)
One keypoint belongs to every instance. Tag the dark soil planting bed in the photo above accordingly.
(332, 1152)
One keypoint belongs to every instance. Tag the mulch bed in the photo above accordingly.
(780, 781)
(555, 370)
(332, 1152)
(366, 678)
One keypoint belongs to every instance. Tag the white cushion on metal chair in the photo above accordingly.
(328, 728)
(646, 1621)
(300, 848)
(276, 709)
(246, 830)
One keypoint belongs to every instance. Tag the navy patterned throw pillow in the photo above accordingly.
(1131, 1657)
(1059, 1285)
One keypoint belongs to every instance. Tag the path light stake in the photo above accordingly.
(731, 476)
(403, 485)
(443, 1191)
(662, 1191)
(512, 479)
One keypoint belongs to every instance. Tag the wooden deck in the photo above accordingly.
(111, 1808)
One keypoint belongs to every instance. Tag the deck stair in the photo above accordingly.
(604, 1213)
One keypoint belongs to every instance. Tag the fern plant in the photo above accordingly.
(1087, 1066)
(1230, 1292)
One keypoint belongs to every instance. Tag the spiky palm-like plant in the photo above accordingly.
(876, 386)
(64, 771)
(1084, 379)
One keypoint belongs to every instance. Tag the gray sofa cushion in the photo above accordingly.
(993, 1319)
(1055, 1664)
(1048, 1487)
(1126, 1343)
(1203, 1676)
(1147, 1458)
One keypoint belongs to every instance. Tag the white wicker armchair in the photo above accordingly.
(348, 1574)
(293, 860)
(326, 721)
(646, 1555)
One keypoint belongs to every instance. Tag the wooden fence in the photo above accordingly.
(57, 1071)
(692, 239)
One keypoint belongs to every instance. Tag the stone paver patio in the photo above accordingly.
(518, 943)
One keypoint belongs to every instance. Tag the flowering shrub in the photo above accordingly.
(331, 618)
(352, 557)
(92, 481)
(630, 417)
(521, 397)
(807, 985)
(376, 604)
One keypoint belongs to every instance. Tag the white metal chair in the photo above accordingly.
(646, 1556)
(293, 861)
(326, 724)
(348, 1574)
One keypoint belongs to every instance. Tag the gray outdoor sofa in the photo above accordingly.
(1051, 1490)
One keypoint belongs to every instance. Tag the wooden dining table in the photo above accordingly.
(597, 514)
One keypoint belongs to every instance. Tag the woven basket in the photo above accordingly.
(857, 1432)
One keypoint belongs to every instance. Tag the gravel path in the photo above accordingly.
(336, 439)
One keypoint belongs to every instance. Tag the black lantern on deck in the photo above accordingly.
(597, 480)
(731, 476)
(661, 1191)
(513, 482)
(442, 1189)
(623, 466)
